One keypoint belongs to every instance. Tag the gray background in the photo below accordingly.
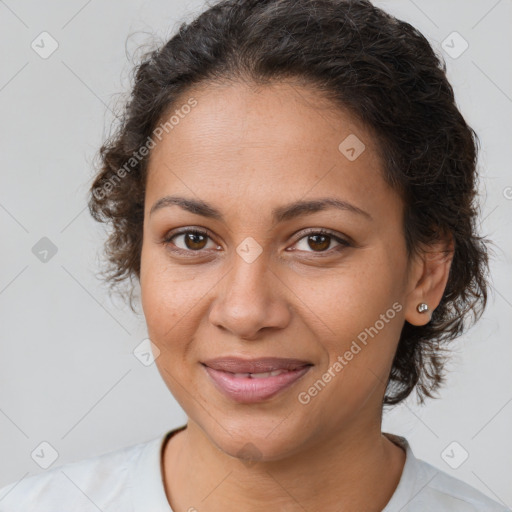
(67, 372)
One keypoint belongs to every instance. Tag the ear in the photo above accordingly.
(428, 275)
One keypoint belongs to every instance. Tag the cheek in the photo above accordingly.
(358, 315)
(344, 302)
(168, 305)
(163, 294)
(161, 297)
(173, 300)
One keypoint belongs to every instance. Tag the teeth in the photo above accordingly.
(262, 375)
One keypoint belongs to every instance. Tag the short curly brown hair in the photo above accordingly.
(380, 69)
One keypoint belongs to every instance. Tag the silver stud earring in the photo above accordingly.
(422, 307)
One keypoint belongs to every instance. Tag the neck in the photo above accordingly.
(356, 469)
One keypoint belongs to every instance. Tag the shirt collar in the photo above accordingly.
(148, 491)
(414, 478)
(146, 481)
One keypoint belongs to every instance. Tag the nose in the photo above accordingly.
(250, 299)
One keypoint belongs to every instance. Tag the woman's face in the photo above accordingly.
(263, 282)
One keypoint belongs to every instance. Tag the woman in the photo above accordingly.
(294, 188)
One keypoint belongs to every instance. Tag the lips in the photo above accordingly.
(255, 380)
(260, 365)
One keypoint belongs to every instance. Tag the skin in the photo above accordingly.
(246, 150)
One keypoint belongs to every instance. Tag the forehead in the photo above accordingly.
(262, 141)
(237, 116)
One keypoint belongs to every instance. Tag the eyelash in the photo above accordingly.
(312, 231)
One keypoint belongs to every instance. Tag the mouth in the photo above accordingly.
(255, 380)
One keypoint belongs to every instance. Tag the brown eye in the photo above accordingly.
(192, 240)
(195, 241)
(320, 242)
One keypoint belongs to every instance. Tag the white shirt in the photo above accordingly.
(130, 480)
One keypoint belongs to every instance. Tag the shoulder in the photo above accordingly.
(88, 484)
(425, 487)
(449, 493)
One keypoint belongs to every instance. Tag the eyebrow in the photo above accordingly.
(279, 214)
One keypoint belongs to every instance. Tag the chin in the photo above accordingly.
(259, 440)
